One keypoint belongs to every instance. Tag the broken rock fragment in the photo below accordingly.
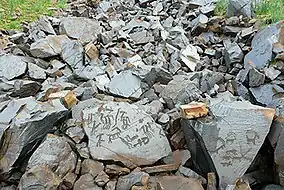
(28, 129)
(264, 94)
(190, 57)
(48, 47)
(56, 154)
(12, 66)
(262, 45)
(39, 177)
(122, 132)
(86, 182)
(232, 138)
(125, 84)
(180, 90)
(80, 28)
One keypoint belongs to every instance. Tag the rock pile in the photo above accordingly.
(145, 94)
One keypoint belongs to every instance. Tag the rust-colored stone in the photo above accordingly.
(193, 110)
(70, 99)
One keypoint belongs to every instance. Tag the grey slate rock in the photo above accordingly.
(43, 24)
(55, 153)
(48, 47)
(25, 88)
(271, 73)
(108, 123)
(180, 90)
(255, 78)
(29, 128)
(101, 179)
(72, 53)
(240, 7)
(80, 28)
(262, 45)
(125, 84)
(233, 53)
(76, 133)
(264, 94)
(12, 66)
(40, 178)
(230, 140)
(36, 72)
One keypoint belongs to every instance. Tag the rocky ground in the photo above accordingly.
(146, 94)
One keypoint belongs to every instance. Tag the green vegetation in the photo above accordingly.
(268, 11)
(15, 12)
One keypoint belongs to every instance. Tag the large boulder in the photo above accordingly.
(228, 141)
(122, 132)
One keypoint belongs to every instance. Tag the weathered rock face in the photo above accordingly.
(49, 46)
(172, 182)
(86, 182)
(232, 138)
(56, 154)
(12, 66)
(122, 132)
(80, 28)
(180, 90)
(39, 177)
(262, 45)
(131, 90)
(22, 133)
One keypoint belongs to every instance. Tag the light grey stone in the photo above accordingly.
(232, 139)
(125, 84)
(264, 94)
(271, 73)
(72, 53)
(102, 179)
(12, 66)
(30, 126)
(80, 28)
(180, 90)
(262, 45)
(118, 128)
(56, 154)
(49, 46)
(36, 72)
(111, 185)
(76, 133)
(233, 53)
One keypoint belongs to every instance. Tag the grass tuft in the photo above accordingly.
(15, 12)
(268, 11)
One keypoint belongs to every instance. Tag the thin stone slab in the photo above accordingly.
(80, 28)
(262, 45)
(12, 66)
(30, 126)
(264, 93)
(56, 154)
(36, 72)
(122, 132)
(125, 84)
(72, 53)
(232, 138)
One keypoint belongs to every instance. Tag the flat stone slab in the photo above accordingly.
(12, 66)
(122, 132)
(234, 136)
(80, 28)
